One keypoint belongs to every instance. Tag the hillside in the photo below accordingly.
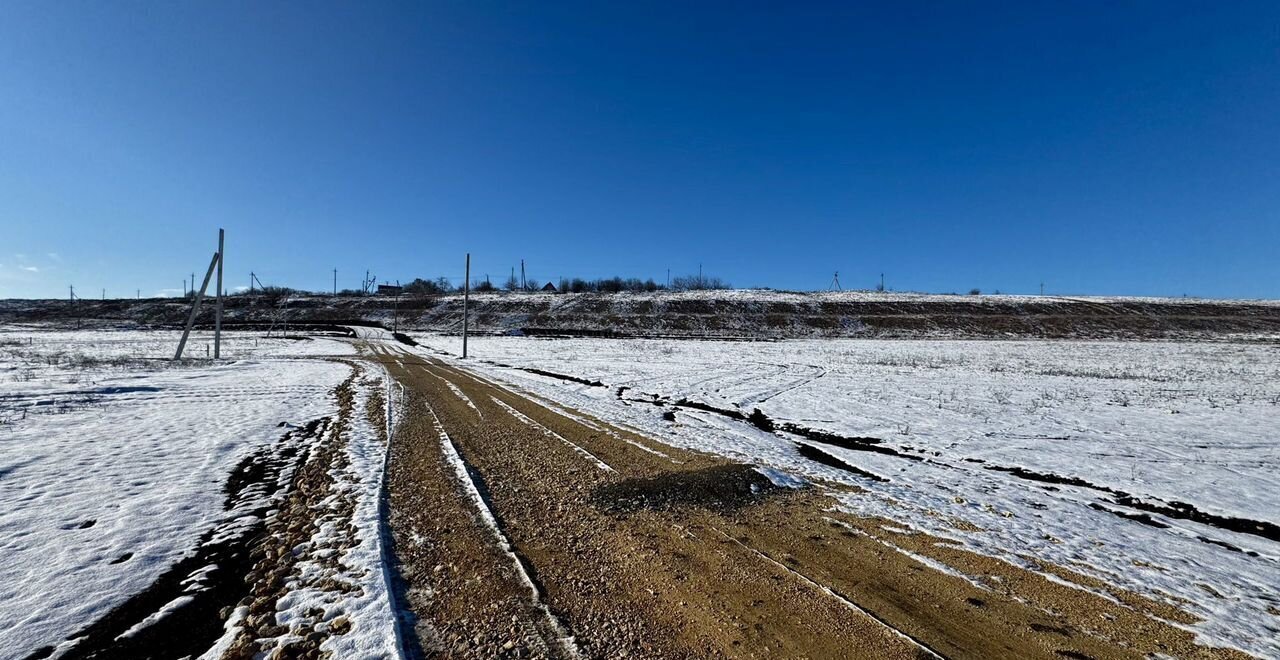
(736, 313)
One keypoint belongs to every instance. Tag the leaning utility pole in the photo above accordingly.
(523, 287)
(217, 317)
(466, 296)
(195, 307)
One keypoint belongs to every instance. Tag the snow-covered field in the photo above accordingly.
(1149, 465)
(113, 460)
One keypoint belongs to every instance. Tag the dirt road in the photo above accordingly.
(524, 530)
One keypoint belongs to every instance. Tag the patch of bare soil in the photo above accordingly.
(641, 549)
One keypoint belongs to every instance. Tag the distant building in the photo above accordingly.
(389, 289)
(551, 288)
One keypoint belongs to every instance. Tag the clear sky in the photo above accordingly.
(1108, 148)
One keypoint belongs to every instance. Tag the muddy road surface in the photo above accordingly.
(521, 529)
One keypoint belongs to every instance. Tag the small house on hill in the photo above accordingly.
(549, 288)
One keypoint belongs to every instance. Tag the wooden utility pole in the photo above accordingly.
(217, 317)
(523, 287)
(335, 281)
(466, 297)
(195, 307)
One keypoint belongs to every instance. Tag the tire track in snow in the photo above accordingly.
(456, 390)
(562, 636)
(832, 593)
(552, 434)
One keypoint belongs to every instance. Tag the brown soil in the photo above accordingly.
(637, 548)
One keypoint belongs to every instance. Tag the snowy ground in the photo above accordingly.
(113, 460)
(1151, 465)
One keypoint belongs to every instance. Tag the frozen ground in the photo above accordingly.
(113, 462)
(1149, 465)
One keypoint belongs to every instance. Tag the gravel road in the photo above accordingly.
(523, 530)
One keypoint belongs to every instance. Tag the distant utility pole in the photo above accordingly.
(335, 281)
(700, 286)
(881, 282)
(139, 294)
(217, 317)
(184, 287)
(668, 278)
(1042, 288)
(193, 283)
(523, 287)
(104, 294)
(72, 287)
(466, 297)
(395, 313)
(835, 283)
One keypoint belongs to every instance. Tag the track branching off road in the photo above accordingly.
(521, 529)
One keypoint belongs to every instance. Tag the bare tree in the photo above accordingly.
(698, 282)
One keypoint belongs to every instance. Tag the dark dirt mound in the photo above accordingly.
(722, 488)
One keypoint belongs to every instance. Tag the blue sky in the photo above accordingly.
(1108, 148)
